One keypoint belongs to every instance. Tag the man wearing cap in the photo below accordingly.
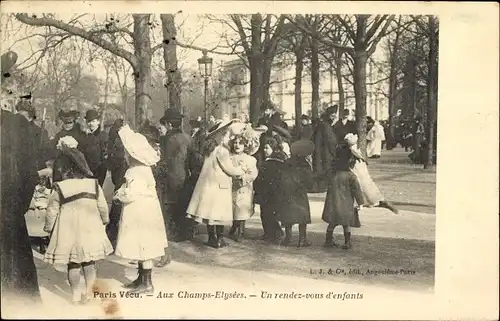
(344, 126)
(176, 149)
(96, 146)
(69, 128)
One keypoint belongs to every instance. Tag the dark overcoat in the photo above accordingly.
(176, 147)
(19, 178)
(343, 190)
(325, 143)
(96, 153)
(282, 188)
(340, 129)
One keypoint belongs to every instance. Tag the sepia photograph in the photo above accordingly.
(177, 164)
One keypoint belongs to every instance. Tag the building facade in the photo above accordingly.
(282, 90)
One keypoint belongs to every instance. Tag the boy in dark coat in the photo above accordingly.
(343, 189)
(267, 188)
(292, 203)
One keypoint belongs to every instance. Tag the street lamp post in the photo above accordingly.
(205, 64)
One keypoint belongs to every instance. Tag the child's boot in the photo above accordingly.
(329, 241)
(242, 229)
(233, 229)
(347, 237)
(220, 236)
(303, 241)
(212, 239)
(288, 235)
(388, 206)
(239, 231)
(134, 284)
(146, 286)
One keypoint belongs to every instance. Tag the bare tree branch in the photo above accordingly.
(95, 38)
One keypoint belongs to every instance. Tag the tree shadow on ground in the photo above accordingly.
(368, 253)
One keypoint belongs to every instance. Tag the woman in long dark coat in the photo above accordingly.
(19, 177)
(325, 142)
(117, 166)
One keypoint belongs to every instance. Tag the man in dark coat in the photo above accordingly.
(96, 146)
(40, 142)
(176, 148)
(325, 142)
(20, 174)
(344, 126)
(69, 128)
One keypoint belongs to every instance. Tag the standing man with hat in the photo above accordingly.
(176, 149)
(69, 128)
(96, 151)
(40, 142)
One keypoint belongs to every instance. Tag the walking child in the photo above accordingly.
(212, 201)
(371, 193)
(77, 213)
(141, 234)
(343, 190)
(244, 143)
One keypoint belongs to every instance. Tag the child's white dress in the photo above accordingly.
(371, 192)
(76, 216)
(141, 233)
(243, 191)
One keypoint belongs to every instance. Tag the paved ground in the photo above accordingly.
(385, 243)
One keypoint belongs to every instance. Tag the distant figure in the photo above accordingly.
(344, 126)
(97, 141)
(325, 142)
(375, 137)
(306, 130)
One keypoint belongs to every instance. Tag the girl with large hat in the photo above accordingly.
(76, 215)
(244, 142)
(211, 202)
(141, 233)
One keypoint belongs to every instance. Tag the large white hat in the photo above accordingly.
(138, 147)
(224, 124)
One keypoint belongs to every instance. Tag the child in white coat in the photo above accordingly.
(141, 234)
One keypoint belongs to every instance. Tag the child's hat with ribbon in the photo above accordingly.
(138, 146)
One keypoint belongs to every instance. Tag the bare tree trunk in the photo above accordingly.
(340, 81)
(142, 73)
(266, 66)
(173, 76)
(360, 59)
(299, 67)
(432, 91)
(255, 90)
(314, 78)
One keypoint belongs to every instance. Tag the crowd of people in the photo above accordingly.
(168, 183)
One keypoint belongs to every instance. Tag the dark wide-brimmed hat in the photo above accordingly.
(302, 148)
(68, 116)
(173, 114)
(26, 105)
(304, 117)
(92, 114)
